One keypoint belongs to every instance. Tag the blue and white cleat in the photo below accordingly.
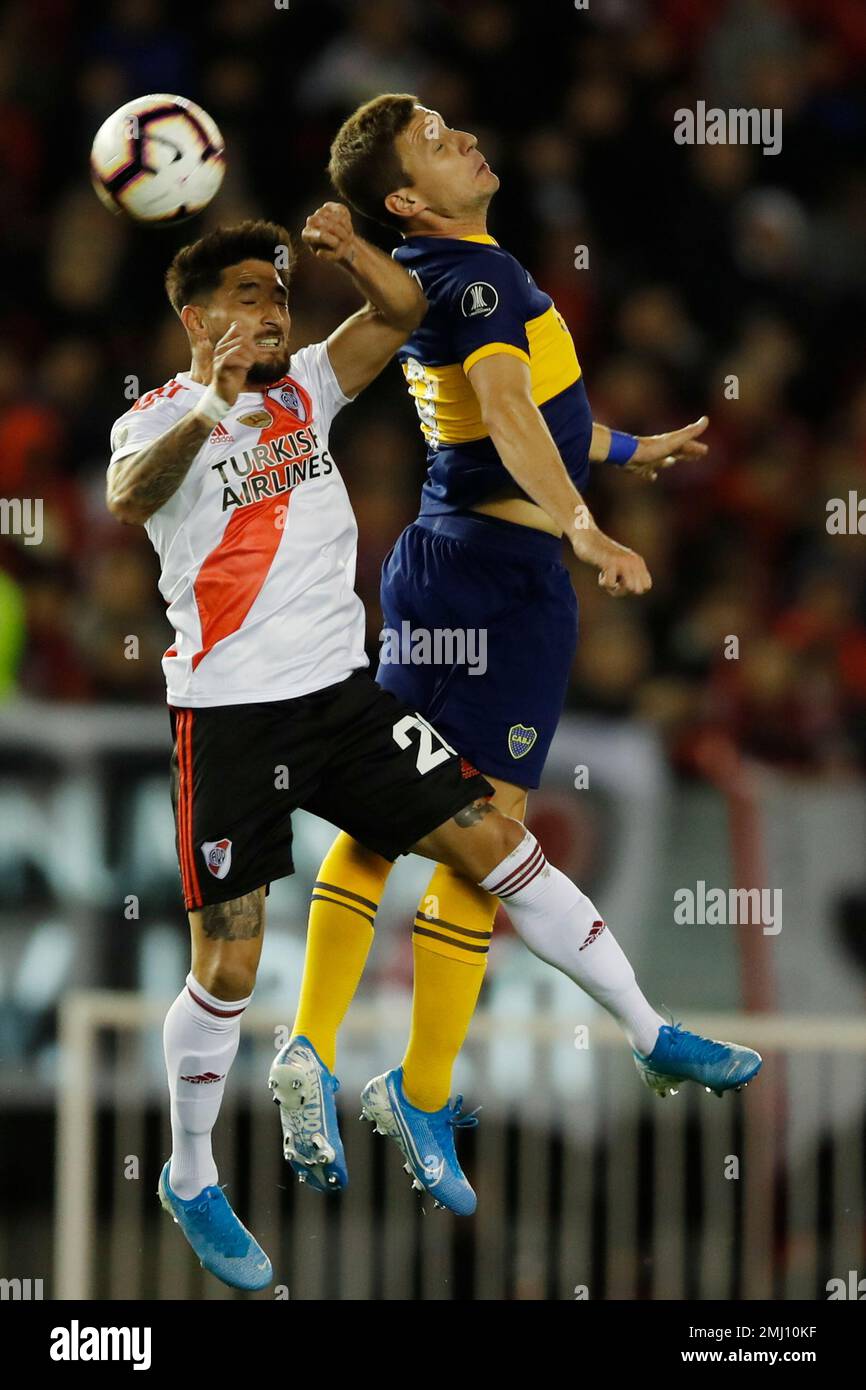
(683, 1056)
(426, 1139)
(304, 1089)
(222, 1243)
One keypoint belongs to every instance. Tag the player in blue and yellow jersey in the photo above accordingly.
(510, 437)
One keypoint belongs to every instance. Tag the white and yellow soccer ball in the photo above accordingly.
(159, 158)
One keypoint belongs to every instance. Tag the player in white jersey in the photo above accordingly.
(228, 468)
(258, 543)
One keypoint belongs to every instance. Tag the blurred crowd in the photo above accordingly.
(719, 281)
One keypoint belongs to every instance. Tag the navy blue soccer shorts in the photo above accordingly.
(481, 624)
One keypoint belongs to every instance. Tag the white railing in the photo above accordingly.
(617, 1193)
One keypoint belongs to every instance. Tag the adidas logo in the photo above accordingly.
(219, 432)
(204, 1079)
(594, 932)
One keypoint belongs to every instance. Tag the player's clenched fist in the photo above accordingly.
(626, 574)
(329, 232)
(620, 571)
(233, 356)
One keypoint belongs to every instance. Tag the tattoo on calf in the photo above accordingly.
(472, 814)
(238, 920)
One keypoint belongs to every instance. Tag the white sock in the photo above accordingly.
(560, 925)
(200, 1039)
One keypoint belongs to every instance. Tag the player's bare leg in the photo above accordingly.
(563, 927)
(200, 1037)
(227, 944)
(442, 1008)
(555, 920)
(509, 798)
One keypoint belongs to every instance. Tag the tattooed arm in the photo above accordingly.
(141, 483)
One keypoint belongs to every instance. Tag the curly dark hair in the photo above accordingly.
(196, 270)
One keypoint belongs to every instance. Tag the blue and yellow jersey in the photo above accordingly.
(483, 302)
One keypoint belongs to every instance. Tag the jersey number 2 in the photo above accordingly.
(427, 758)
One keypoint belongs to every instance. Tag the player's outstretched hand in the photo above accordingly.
(233, 356)
(329, 233)
(620, 571)
(655, 451)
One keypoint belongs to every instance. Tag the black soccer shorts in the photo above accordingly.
(352, 754)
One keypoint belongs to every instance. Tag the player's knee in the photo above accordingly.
(226, 945)
(226, 978)
(493, 841)
(507, 835)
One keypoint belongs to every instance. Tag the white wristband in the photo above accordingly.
(212, 406)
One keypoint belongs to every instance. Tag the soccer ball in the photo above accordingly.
(158, 159)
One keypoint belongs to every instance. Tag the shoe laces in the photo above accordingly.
(458, 1121)
(679, 1034)
(206, 1207)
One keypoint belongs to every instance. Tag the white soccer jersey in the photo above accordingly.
(258, 545)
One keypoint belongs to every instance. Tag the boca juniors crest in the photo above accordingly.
(520, 739)
(217, 856)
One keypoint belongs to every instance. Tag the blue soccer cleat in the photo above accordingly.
(304, 1089)
(425, 1137)
(223, 1244)
(683, 1056)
